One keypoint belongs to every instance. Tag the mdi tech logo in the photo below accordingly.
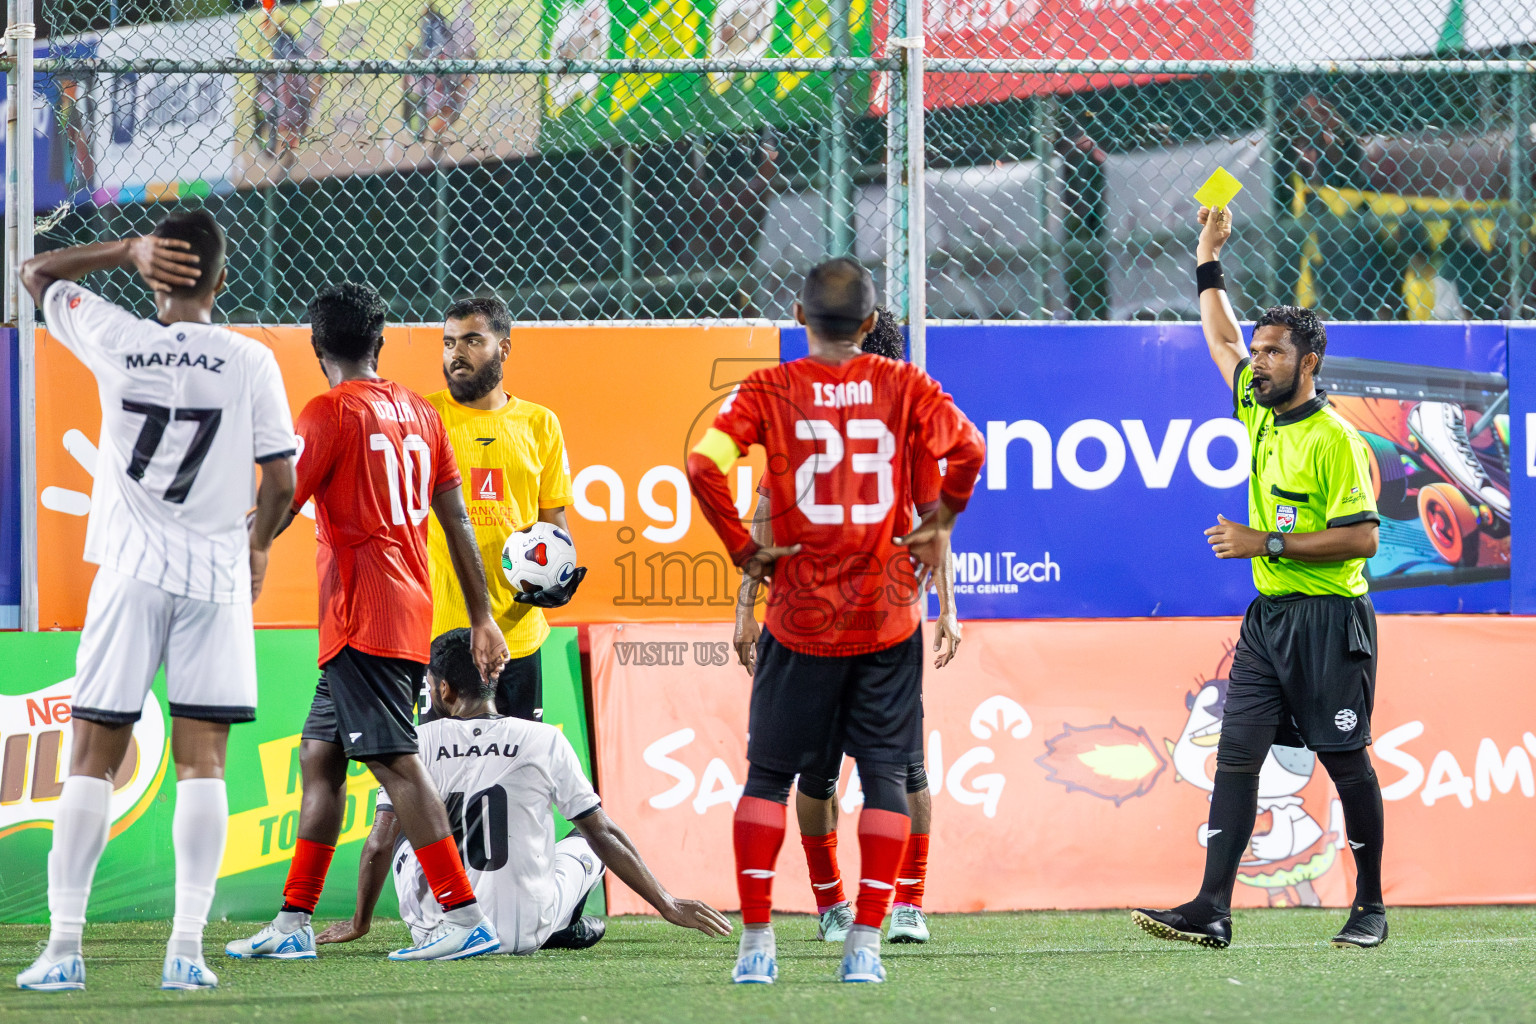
(1002, 572)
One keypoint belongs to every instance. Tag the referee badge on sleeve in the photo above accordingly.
(1285, 518)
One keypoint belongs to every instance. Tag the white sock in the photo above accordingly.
(862, 936)
(197, 833)
(466, 916)
(290, 920)
(758, 940)
(80, 827)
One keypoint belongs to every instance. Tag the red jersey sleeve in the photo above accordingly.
(947, 434)
(926, 481)
(318, 435)
(739, 419)
(445, 473)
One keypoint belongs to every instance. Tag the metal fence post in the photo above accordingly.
(917, 223)
(627, 293)
(896, 169)
(839, 200)
(19, 226)
(1519, 188)
(1272, 225)
(1041, 109)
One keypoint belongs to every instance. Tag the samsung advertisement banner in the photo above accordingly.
(1111, 448)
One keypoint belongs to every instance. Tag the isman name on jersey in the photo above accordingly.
(844, 394)
(139, 360)
(474, 750)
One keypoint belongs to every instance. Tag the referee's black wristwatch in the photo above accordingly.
(1274, 545)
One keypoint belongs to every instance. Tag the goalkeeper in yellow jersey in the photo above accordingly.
(512, 457)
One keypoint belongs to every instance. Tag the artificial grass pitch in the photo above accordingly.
(1443, 964)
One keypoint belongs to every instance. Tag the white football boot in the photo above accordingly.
(272, 944)
(66, 975)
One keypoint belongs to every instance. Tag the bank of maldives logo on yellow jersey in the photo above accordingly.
(487, 485)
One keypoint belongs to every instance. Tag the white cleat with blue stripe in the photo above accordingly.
(755, 968)
(271, 944)
(862, 965)
(453, 942)
(187, 974)
(66, 975)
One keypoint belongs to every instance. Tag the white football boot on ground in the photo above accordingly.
(66, 975)
(271, 944)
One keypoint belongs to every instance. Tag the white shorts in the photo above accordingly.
(576, 869)
(133, 627)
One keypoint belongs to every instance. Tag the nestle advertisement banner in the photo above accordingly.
(137, 874)
(1070, 765)
(1110, 449)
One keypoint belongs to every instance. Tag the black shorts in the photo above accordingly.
(519, 692)
(363, 702)
(807, 710)
(1307, 665)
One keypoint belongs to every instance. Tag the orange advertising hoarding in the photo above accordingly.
(629, 399)
(1070, 767)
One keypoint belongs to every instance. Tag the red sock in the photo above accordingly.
(882, 841)
(306, 875)
(914, 870)
(445, 873)
(826, 880)
(759, 832)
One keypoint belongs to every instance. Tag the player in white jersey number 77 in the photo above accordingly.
(186, 408)
(498, 777)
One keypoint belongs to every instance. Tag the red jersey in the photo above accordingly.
(847, 446)
(373, 455)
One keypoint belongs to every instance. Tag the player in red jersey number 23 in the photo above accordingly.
(839, 663)
(376, 460)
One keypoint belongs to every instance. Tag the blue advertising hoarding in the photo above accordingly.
(1522, 419)
(10, 485)
(1111, 448)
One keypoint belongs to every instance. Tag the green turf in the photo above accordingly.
(1461, 965)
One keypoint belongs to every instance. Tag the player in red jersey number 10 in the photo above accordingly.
(377, 462)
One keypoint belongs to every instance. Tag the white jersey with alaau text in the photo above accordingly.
(186, 408)
(498, 777)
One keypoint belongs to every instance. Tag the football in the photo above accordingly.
(540, 557)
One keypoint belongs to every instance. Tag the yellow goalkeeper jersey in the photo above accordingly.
(514, 464)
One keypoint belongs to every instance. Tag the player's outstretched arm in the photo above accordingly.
(274, 498)
(489, 646)
(1223, 336)
(372, 873)
(163, 263)
(747, 630)
(616, 851)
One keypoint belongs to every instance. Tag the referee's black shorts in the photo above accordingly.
(1306, 664)
(807, 710)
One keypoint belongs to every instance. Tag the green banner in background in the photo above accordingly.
(583, 110)
(137, 874)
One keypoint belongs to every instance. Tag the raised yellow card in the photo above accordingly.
(1219, 189)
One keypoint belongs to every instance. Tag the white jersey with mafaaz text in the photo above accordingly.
(498, 777)
(186, 408)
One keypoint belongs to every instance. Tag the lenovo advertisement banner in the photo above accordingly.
(1110, 449)
(1070, 765)
(137, 874)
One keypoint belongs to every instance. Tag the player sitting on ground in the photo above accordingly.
(498, 777)
(816, 789)
(839, 665)
(377, 462)
(185, 408)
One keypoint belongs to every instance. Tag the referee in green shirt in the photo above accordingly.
(1304, 672)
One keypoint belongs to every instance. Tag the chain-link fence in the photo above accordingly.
(619, 159)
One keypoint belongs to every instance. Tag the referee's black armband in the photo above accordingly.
(1209, 275)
